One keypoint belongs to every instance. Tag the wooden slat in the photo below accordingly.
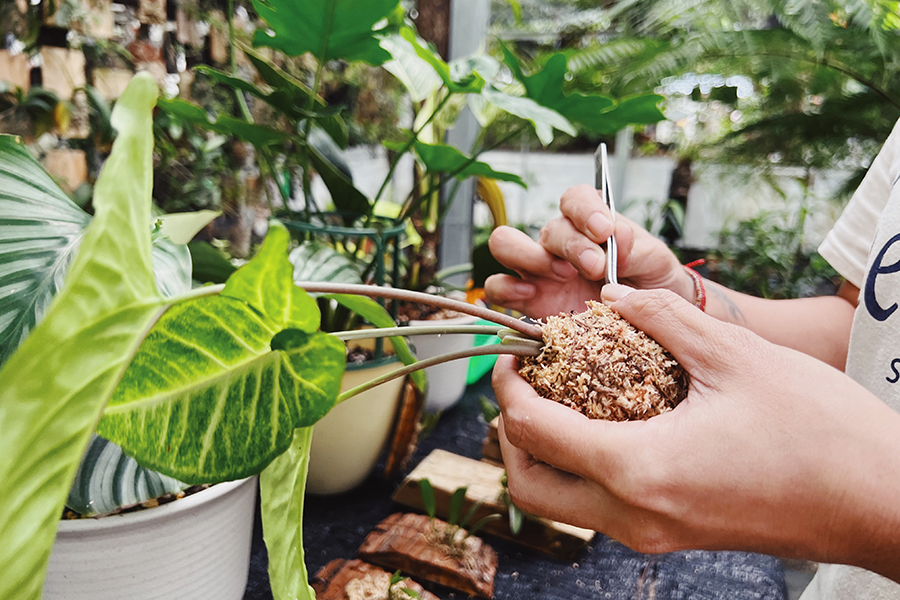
(332, 581)
(447, 472)
(411, 543)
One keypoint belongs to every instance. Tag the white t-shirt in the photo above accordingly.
(864, 247)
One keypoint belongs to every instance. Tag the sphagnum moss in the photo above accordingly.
(601, 365)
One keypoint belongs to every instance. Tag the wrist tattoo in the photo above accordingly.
(736, 314)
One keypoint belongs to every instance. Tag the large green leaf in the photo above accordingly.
(40, 228)
(440, 158)
(543, 119)
(220, 383)
(55, 384)
(266, 284)
(211, 396)
(329, 29)
(595, 113)
(258, 135)
(314, 261)
(345, 196)
(282, 487)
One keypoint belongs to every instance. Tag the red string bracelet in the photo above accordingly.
(699, 287)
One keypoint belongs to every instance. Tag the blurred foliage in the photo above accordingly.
(766, 256)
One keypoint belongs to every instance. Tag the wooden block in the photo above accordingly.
(218, 37)
(351, 579)
(15, 69)
(490, 452)
(406, 431)
(411, 543)
(62, 70)
(111, 82)
(152, 12)
(447, 472)
(90, 17)
(68, 167)
(493, 431)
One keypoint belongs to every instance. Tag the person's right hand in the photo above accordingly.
(772, 451)
(568, 265)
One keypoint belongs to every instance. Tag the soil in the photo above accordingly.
(601, 365)
(423, 312)
(70, 515)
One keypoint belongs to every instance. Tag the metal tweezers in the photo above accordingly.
(601, 181)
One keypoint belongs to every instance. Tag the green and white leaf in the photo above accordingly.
(108, 479)
(182, 227)
(313, 261)
(40, 229)
(416, 74)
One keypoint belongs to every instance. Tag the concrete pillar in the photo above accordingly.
(469, 22)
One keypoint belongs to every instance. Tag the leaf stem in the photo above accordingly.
(364, 334)
(532, 348)
(374, 291)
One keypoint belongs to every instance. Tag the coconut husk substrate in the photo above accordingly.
(602, 366)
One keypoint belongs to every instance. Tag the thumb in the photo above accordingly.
(692, 336)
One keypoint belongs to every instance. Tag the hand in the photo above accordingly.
(567, 267)
(772, 451)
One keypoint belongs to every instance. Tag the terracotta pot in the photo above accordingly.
(347, 442)
(195, 547)
(447, 381)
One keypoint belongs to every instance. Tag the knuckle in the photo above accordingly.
(516, 425)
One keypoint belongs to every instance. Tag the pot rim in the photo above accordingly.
(155, 513)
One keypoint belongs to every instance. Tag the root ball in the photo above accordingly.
(601, 365)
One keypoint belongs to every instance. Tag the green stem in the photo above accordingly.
(365, 334)
(518, 349)
(410, 207)
(409, 144)
(374, 291)
(232, 59)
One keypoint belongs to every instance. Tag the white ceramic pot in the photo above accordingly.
(197, 547)
(346, 443)
(447, 381)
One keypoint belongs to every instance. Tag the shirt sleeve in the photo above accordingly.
(847, 245)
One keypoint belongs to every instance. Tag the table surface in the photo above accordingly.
(335, 526)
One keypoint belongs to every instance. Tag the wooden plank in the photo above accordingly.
(68, 167)
(343, 579)
(490, 452)
(15, 69)
(447, 472)
(414, 544)
(62, 70)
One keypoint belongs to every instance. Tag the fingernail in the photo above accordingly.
(598, 225)
(614, 292)
(524, 290)
(563, 268)
(590, 261)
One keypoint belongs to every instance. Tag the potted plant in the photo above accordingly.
(212, 385)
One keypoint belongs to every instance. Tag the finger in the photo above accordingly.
(695, 339)
(509, 292)
(557, 434)
(537, 488)
(584, 207)
(561, 238)
(516, 251)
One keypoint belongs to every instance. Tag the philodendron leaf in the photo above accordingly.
(56, 383)
(543, 119)
(182, 227)
(440, 158)
(329, 29)
(258, 135)
(212, 396)
(266, 284)
(282, 487)
(314, 261)
(220, 383)
(595, 113)
(456, 81)
(415, 73)
(108, 479)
